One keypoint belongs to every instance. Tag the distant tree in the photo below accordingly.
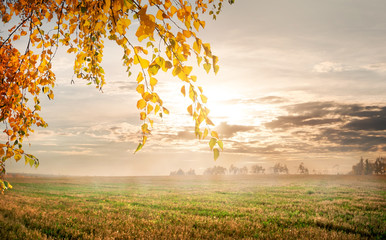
(216, 170)
(256, 169)
(179, 172)
(379, 165)
(233, 170)
(243, 170)
(358, 169)
(302, 169)
(280, 168)
(368, 167)
(365, 167)
(191, 172)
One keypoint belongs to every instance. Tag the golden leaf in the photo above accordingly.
(142, 115)
(141, 104)
(214, 134)
(156, 109)
(140, 77)
(190, 110)
(206, 67)
(159, 15)
(203, 98)
(140, 88)
(153, 82)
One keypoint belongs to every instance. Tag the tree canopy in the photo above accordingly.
(154, 35)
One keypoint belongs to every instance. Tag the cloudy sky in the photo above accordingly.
(299, 81)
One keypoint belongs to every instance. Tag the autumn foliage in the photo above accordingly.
(164, 39)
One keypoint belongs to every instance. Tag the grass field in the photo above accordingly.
(225, 207)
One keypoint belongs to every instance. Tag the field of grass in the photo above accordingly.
(225, 207)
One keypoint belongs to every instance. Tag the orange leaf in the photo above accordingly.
(141, 104)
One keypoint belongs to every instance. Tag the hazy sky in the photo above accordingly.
(299, 81)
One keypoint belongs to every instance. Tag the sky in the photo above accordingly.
(299, 81)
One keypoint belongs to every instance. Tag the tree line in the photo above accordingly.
(366, 167)
(278, 168)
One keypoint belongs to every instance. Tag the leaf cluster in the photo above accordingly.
(154, 35)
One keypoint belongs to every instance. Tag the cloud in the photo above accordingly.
(285, 122)
(228, 131)
(368, 124)
(377, 67)
(334, 67)
(329, 67)
(261, 100)
(332, 126)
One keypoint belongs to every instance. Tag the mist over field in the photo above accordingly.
(195, 207)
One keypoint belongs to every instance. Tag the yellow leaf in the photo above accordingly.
(212, 142)
(200, 118)
(149, 108)
(154, 98)
(220, 144)
(142, 115)
(140, 77)
(205, 133)
(209, 122)
(196, 25)
(176, 70)
(187, 33)
(159, 15)
(153, 82)
(191, 93)
(183, 90)
(190, 110)
(141, 88)
(214, 134)
(51, 95)
(9, 153)
(156, 109)
(215, 60)
(147, 96)
(140, 145)
(206, 47)
(216, 68)
(141, 104)
(203, 98)
(166, 111)
(216, 153)
(173, 10)
(207, 67)
(153, 69)
(187, 70)
(145, 128)
(144, 63)
(17, 157)
(196, 47)
(2, 152)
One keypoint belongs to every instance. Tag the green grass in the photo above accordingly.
(262, 207)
